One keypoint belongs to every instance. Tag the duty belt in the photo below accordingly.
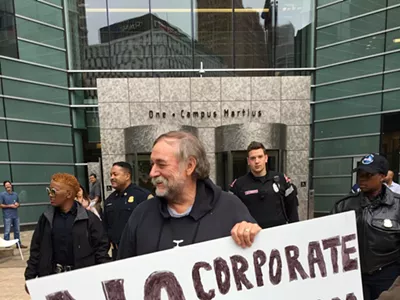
(61, 269)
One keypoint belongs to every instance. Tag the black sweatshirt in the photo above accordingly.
(151, 228)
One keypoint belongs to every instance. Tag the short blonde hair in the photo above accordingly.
(67, 179)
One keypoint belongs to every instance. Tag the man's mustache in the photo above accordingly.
(159, 179)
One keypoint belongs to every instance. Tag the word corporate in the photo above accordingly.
(234, 276)
(241, 113)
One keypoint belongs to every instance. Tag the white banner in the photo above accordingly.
(316, 259)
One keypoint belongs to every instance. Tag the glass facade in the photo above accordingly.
(356, 92)
(36, 128)
(52, 52)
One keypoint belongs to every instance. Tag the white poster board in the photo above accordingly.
(316, 259)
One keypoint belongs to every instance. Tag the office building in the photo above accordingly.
(356, 92)
(54, 52)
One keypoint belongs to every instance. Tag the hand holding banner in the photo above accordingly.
(312, 260)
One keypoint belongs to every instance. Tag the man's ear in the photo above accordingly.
(191, 165)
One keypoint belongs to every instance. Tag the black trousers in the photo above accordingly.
(380, 281)
(114, 251)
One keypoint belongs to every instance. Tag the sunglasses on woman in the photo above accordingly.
(51, 191)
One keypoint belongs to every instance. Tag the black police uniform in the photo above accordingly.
(118, 207)
(271, 199)
(378, 227)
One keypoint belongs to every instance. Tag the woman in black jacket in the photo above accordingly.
(67, 236)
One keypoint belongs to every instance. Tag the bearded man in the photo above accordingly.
(188, 208)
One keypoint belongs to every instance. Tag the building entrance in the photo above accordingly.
(390, 142)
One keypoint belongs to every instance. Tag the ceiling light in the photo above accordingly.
(396, 40)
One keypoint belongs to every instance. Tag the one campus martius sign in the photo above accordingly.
(312, 260)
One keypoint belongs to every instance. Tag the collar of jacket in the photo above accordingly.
(131, 186)
(202, 202)
(81, 213)
(385, 197)
(269, 176)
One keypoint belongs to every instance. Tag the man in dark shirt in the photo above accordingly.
(269, 196)
(189, 208)
(67, 236)
(119, 206)
(95, 192)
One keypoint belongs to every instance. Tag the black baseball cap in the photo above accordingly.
(373, 164)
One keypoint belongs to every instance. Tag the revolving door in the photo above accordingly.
(138, 144)
(231, 142)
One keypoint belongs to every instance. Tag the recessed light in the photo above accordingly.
(396, 40)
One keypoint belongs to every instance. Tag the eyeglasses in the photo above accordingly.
(51, 191)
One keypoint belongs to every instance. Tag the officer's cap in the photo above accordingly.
(373, 164)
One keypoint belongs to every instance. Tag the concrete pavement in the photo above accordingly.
(12, 272)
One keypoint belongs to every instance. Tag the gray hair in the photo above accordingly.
(189, 146)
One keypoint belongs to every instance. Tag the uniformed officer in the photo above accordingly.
(119, 206)
(377, 211)
(269, 196)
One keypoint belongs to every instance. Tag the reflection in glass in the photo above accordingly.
(293, 33)
(172, 34)
(213, 37)
(182, 34)
(251, 35)
(130, 34)
(8, 36)
(141, 170)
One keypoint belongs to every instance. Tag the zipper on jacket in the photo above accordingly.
(364, 220)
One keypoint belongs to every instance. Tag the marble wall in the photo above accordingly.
(207, 103)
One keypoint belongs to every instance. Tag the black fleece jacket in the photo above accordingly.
(89, 241)
(151, 228)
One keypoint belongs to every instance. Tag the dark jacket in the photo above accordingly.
(268, 205)
(89, 240)
(151, 227)
(378, 226)
(119, 206)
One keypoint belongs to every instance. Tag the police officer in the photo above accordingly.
(269, 196)
(377, 211)
(119, 206)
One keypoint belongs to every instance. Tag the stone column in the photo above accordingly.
(295, 113)
(114, 116)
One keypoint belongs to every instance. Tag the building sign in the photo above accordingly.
(321, 263)
(227, 113)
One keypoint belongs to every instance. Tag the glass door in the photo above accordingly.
(141, 169)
